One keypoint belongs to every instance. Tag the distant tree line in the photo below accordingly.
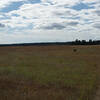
(84, 42)
(76, 42)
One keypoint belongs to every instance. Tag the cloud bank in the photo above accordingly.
(36, 20)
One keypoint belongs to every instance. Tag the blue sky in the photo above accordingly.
(11, 7)
(49, 20)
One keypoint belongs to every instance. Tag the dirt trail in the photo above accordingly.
(97, 96)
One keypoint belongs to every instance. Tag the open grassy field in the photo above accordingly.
(49, 72)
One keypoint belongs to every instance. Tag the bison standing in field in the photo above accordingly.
(74, 50)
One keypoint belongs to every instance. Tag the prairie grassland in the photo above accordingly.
(49, 72)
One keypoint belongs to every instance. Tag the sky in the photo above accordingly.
(24, 21)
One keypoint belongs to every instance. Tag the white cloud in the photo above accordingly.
(90, 1)
(61, 2)
(67, 23)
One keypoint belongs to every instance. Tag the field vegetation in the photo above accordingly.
(49, 72)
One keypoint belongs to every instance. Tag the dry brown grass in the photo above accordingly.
(49, 72)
